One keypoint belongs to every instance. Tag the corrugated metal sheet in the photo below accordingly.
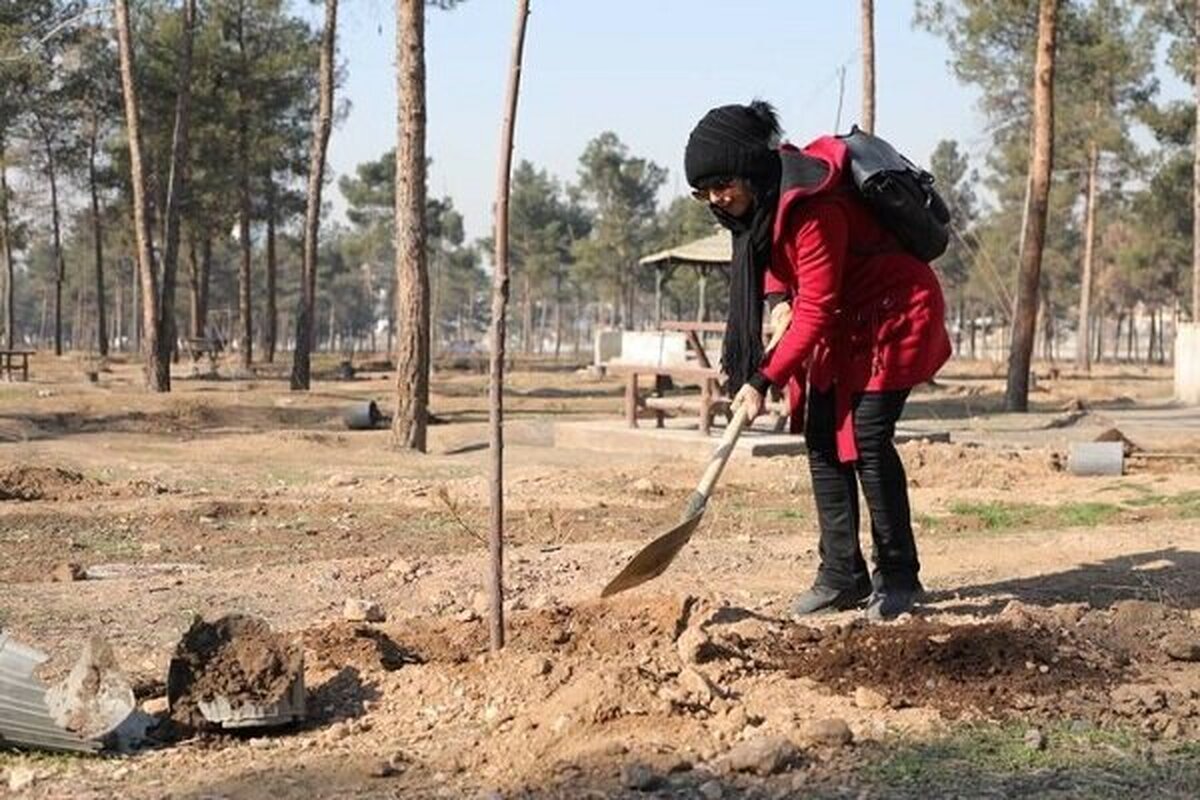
(24, 719)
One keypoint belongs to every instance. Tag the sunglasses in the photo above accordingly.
(712, 185)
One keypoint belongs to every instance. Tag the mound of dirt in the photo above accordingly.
(340, 645)
(958, 466)
(994, 667)
(44, 483)
(237, 657)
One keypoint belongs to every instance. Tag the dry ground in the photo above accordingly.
(1051, 659)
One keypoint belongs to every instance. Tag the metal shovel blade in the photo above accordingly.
(653, 559)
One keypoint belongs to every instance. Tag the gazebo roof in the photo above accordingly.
(714, 250)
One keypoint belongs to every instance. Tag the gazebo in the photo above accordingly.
(704, 255)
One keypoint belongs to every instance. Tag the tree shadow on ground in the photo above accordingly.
(1167, 576)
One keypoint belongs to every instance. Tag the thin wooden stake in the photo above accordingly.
(499, 309)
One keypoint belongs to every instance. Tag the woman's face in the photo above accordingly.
(733, 196)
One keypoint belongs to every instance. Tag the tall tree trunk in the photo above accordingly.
(97, 236)
(60, 266)
(558, 316)
(176, 197)
(1016, 396)
(868, 66)
(526, 315)
(141, 216)
(10, 323)
(1196, 169)
(1089, 241)
(245, 307)
(306, 319)
(499, 310)
(272, 321)
(195, 330)
(412, 277)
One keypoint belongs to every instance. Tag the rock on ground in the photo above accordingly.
(359, 610)
(767, 755)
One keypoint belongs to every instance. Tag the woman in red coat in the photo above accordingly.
(864, 324)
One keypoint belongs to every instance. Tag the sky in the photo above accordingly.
(647, 70)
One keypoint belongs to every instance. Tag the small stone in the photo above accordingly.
(481, 604)
(1182, 646)
(155, 706)
(359, 610)
(701, 689)
(640, 777)
(1035, 739)
(694, 646)
(401, 567)
(646, 486)
(833, 731)
(343, 480)
(21, 778)
(540, 667)
(711, 790)
(68, 572)
(766, 755)
(466, 615)
(869, 699)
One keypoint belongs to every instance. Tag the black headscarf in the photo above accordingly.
(740, 142)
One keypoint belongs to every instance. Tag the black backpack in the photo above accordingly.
(900, 193)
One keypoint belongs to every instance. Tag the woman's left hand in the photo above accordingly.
(751, 398)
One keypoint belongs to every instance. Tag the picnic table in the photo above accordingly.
(712, 400)
(203, 347)
(13, 360)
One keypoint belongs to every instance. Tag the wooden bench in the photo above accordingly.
(202, 347)
(708, 378)
(9, 363)
(659, 405)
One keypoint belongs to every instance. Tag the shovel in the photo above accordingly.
(653, 559)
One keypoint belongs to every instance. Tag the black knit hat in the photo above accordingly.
(732, 141)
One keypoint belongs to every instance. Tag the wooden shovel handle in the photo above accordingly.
(721, 454)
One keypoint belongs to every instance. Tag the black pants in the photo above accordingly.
(835, 487)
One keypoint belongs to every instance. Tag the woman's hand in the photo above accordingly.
(751, 398)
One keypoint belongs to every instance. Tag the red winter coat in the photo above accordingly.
(866, 315)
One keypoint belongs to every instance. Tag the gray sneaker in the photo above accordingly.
(822, 599)
(887, 604)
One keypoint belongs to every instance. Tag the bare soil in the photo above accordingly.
(1055, 604)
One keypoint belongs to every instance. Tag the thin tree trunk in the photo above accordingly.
(868, 65)
(1130, 336)
(10, 323)
(245, 308)
(412, 276)
(60, 266)
(97, 237)
(306, 320)
(499, 309)
(1025, 318)
(1196, 170)
(272, 321)
(526, 315)
(193, 289)
(141, 217)
(176, 197)
(558, 317)
(1082, 361)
